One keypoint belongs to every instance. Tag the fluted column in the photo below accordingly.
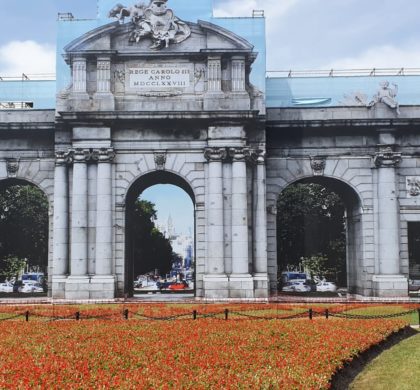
(260, 265)
(215, 242)
(239, 213)
(79, 216)
(104, 212)
(61, 215)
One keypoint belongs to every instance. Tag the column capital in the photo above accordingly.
(386, 157)
(103, 155)
(80, 155)
(238, 154)
(62, 157)
(215, 154)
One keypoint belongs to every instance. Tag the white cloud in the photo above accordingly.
(384, 56)
(29, 57)
(235, 8)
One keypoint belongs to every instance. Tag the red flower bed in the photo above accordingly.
(187, 354)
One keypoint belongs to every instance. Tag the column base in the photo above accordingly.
(77, 287)
(216, 286)
(58, 286)
(390, 286)
(241, 286)
(261, 285)
(102, 287)
(85, 287)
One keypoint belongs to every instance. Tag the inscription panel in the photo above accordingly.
(149, 78)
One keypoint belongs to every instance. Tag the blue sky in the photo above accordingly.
(172, 201)
(301, 34)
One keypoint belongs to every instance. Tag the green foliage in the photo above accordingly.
(150, 247)
(23, 225)
(311, 225)
(12, 267)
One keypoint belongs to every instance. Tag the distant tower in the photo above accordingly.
(170, 227)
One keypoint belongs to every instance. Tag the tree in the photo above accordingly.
(151, 249)
(310, 224)
(23, 225)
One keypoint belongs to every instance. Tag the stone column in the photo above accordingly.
(77, 284)
(79, 215)
(260, 260)
(389, 281)
(240, 262)
(104, 213)
(103, 283)
(240, 281)
(61, 225)
(215, 279)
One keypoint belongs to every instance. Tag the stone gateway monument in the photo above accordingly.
(147, 96)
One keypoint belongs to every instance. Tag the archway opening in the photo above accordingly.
(23, 239)
(160, 236)
(318, 237)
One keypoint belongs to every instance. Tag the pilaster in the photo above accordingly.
(261, 283)
(103, 98)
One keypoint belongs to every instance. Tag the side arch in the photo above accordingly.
(357, 221)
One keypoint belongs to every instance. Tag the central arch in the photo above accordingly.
(137, 188)
(352, 223)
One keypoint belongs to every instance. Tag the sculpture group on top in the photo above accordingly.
(155, 21)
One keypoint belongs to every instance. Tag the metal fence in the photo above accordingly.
(226, 314)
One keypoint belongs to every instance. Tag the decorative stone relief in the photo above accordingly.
(199, 74)
(318, 165)
(387, 158)
(272, 209)
(119, 75)
(386, 95)
(160, 160)
(413, 186)
(12, 166)
(154, 21)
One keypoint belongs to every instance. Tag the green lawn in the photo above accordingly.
(396, 368)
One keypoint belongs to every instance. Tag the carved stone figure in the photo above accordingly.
(155, 21)
(413, 186)
(386, 95)
(12, 166)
